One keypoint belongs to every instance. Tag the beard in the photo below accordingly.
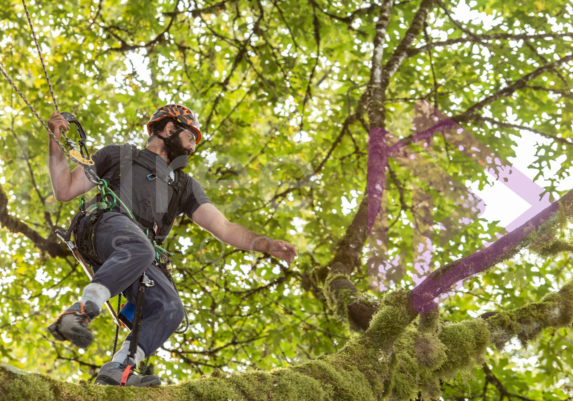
(174, 147)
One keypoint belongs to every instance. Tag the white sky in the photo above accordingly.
(503, 204)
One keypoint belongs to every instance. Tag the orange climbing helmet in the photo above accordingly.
(181, 113)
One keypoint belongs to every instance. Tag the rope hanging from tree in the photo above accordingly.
(74, 154)
(40, 54)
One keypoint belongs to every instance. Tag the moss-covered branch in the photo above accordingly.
(342, 296)
(539, 235)
(357, 372)
(395, 359)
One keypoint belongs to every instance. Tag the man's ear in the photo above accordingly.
(167, 130)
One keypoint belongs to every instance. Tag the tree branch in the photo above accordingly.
(482, 38)
(477, 117)
(15, 226)
(519, 84)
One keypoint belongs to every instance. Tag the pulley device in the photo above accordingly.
(82, 154)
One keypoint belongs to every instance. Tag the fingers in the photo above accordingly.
(58, 123)
(284, 251)
(290, 253)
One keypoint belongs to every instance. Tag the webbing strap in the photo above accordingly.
(143, 159)
(126, 373)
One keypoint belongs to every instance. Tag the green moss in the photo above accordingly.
(391, 320)
(554, 248)
(554, 310)
(429, 321)
(27, 388)
(405, 380)
(465, 343)
(394, 359)
(544, 241)
(340, 296)
(430, 352)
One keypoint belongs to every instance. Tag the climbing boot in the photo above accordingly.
(73, 324)
(117, 374)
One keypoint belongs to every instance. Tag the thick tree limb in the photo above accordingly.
(376, 93)
(15, 226)
(401, 52)
(536, 234)
(394, 359)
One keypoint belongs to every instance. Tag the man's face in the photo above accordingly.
(179, 145)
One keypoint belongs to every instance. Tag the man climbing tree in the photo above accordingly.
(152, 186)
(335, 84)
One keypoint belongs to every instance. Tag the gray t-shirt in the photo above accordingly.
(148, 198)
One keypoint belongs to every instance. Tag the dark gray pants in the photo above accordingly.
(127, 253)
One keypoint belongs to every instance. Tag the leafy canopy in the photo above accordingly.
(279, 88)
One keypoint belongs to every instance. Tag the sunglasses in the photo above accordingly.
(192, 134)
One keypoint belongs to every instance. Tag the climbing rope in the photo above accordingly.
(141, 371)
(74, 154)
(69, 142)
(117, 326)
(40, 54)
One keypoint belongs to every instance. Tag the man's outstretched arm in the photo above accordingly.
(66, 184)
(211, 219)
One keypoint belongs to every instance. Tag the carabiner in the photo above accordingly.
(82, 154)
(103, 183)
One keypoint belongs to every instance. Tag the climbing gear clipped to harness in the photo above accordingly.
(182, 114)
(83, 150)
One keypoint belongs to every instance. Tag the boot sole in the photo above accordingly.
(54, 332)
(107, 381)
(79, 338)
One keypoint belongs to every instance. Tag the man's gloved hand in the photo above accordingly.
(283, 250)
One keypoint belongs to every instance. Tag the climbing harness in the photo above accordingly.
(107, 200)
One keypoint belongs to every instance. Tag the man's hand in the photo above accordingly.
(283, 250)
(57, 123)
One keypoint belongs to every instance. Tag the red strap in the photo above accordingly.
(124, 377)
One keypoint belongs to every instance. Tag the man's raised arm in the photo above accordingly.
(208, 217)
(66, 184)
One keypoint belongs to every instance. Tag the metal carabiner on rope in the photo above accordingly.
(85, 153)
(82, 154)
